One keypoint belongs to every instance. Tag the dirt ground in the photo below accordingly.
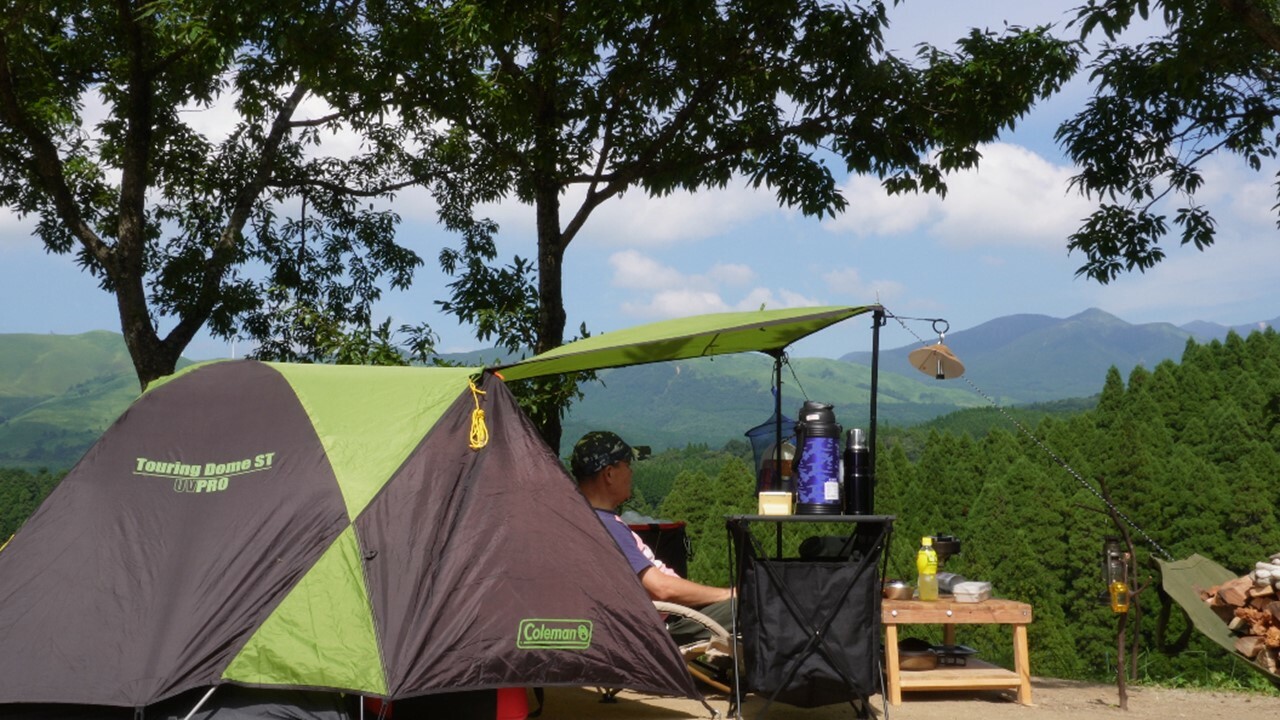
(1054, 700)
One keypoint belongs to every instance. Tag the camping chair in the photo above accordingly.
(710, 660)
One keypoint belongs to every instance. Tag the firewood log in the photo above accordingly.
(1274, 608)
(1235, 592)
(1267, 659)
(1250, 645)
(1272, 638)
(1224, 611)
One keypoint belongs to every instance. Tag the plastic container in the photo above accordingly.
(927, 570)
(775, 503)
(513, 704)
(972, 591)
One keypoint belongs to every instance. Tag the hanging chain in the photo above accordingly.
(1049, 451)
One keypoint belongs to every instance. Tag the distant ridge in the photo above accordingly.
(1037, 358)
(58, 393)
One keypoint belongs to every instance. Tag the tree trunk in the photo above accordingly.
(152, 357)
(551, 314)
(547, 187)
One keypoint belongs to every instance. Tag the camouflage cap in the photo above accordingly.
(597, 450)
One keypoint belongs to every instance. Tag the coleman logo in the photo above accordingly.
(546, 634)
(202, 478)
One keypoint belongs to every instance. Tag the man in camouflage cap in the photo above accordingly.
(601, 464)
(597, 450)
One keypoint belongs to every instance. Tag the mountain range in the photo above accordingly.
(58, 393)
(1019, 359)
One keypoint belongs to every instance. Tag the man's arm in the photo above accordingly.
(673, 588)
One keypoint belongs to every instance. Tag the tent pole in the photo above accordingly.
(877, 320)
(200, 704)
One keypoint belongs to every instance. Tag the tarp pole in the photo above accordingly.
(877, 319)
(777, 423)
(200, 704)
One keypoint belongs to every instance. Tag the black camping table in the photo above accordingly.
(809, 624)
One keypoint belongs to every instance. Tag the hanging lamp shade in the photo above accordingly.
(936, 360)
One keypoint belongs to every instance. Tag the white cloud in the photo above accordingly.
(760, 297)
(676, 303)
(635, 218)
(665, 292)
(848, 282)
(1014, 198)
(1225, 283)
(731, 274)
(1237, 197)
(636, 271)
(791, 299)
(872, 211)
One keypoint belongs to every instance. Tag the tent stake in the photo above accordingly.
(200, 704)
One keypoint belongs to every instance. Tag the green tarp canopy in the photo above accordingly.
(767, 331)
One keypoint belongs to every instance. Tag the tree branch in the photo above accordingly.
(341, 189)
(1256, 20)
(216, 265)
(317, 122)
(46, 163)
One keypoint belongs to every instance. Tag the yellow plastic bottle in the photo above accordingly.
(927, 569)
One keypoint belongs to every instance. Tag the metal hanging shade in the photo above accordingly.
(936, 360)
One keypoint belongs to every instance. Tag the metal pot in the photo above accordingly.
(898, 590)
(921, 660)
(916, 654)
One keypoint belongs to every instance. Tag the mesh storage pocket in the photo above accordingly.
(778, 622)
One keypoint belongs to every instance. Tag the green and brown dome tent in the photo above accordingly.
(320, 528)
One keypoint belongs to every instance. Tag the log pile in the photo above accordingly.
(1250, 605)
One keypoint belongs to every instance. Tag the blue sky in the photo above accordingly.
(995, 246)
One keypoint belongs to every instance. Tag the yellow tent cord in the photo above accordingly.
(5, 544)
(479, 431)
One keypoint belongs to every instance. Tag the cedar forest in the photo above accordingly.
(1189, 452)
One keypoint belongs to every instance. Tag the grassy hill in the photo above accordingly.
(36, 368)
(58, 393)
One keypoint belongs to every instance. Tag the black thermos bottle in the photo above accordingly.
(859, 490)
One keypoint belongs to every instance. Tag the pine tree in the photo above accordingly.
(1019, 536)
